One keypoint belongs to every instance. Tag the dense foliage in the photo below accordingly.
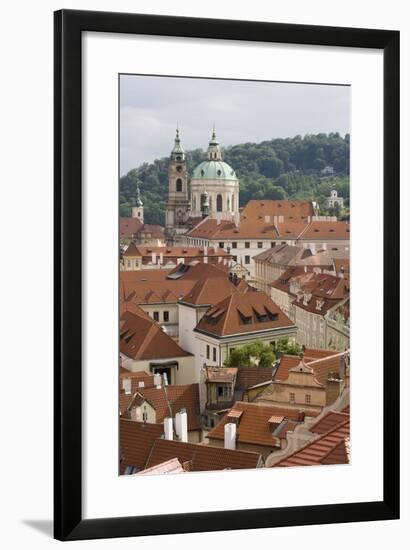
(275, 169)
(258, 354)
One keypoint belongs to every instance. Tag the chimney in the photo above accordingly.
(181, 425)
(126, 385)
(230, 436)
(165, 378)
(168, 429)
(267, 219)
(157, 380)
(275, 220)
(161, 258)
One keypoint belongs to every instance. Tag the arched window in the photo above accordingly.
(227, 207)
(219, 203)
(179, 185)
(232, 204)
(194, 201)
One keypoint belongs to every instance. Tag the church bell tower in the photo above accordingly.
(177, 207)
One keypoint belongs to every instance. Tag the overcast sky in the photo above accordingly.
(243, 111)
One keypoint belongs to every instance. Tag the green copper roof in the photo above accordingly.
(214, 170)
(177, 151)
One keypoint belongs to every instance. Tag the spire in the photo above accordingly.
(177, 152)
(138, 199)
(214, 151)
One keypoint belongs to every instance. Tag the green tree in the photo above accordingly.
(256, 354)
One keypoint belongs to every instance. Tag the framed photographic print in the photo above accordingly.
(226, 274)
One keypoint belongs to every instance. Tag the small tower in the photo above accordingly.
(214, 151)
(178, 205)
(138, 209)
(205, 204)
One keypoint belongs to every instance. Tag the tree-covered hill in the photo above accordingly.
(276, 169)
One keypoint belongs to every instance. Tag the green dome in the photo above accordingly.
(214, 170)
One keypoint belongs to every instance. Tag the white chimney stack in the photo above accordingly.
(181, 423)
(154, 258)
(157, 380)
(230, 436)
(126, 385)
(161, 258)
(168, 429)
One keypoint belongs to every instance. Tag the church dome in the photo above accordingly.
(214, 170)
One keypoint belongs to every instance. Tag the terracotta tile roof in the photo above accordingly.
(129, 227)
(227, 230)
(172, 400)
(172, 466)
(168, 286)
(243, 313)
(329, 422)
(327, 230)
(332, 447)
(281, 254)
(154, 231)
(313, 292)
(289, 209)
(142, 338)
(202, 457)
(211, 290)
(181, 251)
(132, 251)
(291, 230)
(221, 374)
(136, 440)
(253, 426)
(248, 377)
(321, 367)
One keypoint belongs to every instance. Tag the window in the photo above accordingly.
(247, 259)
(156, 316)
(166, 316)
(235, 258)
(214, 354)
(224, 391)
(221, 244)
(219, 203)
(234, 245)
(307, 399)
(179, 185)
(259, 245)
(247, 245)
(208, 351)
(292, 397)
(272, 245)
(145, 417)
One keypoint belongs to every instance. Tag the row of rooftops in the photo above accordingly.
(261, 229)
(143, 447)
(311, 291)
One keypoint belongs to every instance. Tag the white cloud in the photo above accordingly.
(243, 111)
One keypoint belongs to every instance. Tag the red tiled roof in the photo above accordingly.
(201, 457)
(169, 401)
(243, 313)
(321, 367)
(248, 377)
(142, 338)
(328, 422)
(129, 227)
(289, 209)
(253, 426)
(136, 440)
(327, 230)
(331, 447)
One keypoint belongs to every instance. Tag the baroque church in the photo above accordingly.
(213, 189)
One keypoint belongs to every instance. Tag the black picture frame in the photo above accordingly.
(68, 522)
